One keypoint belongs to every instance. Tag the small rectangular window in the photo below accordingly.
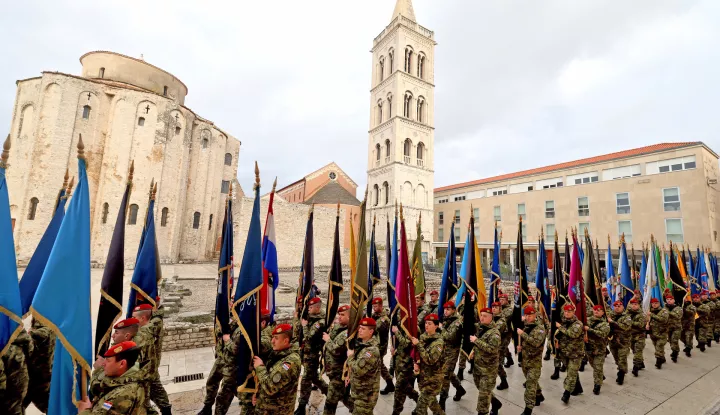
(671, 199)
(441, 234)
(664, 169)
(586, 180)
(578, 181)
(594, 179)
(141, 121)
(549, 209)
(165, 91)
(582, 226)
(550, 232)
(530, 188)
(524, 232)
(457, 234)
(441, 219)
(622, 201)
(625, 227)
(521, 211)
(102, 73)
(86, 112)
(177, 130)
(496, 213)
(476, 214)
(674, 230)
(457, 216)
(583, 206)
(225, 187)
(690, 165)
(676, 167)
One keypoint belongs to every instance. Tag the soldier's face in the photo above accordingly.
(113, 367)
(618, 308)
(530, 318)
(448, 311)
(634, 306)
(430, 327)
(503, 301)
(119, 336)
(670, 301)
(655, 306)
(496, 310)
(568, 314)
(713, 296)
(365, 332)
(703, 297)
(315, 308)
(377, 308)
(485, 318)
(419, 301)
(433, 298)
(280, 341)
(598, 313)
(344, 318)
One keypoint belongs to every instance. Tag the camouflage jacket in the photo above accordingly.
(422, 312)
(452, 334)
(573, 343)
(507, 313)
(717, 308)
(487, 346)
(430, 348)
(312, 335)
(266, 341)
(500, 324)
(157, 327)
(403, 348)
(533, 340)
(598, 332)
(364, 367)
(382, 329)
(620, 327)
(41, 359)
(704, 312)
(638, 322)
(229, 353)
(146, 343)
(122, 395)
(432, 308)
(688, 317)
(219, 346)
(675, 314)
(659, 322)
(278, 382)
(336, 351)
(16, 369)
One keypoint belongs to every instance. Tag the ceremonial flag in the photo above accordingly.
(678, 286)
(143, 286)
(62, 300)
(417, 270)
(581, 252)
(225, 271)
(460, 295)
(111, 287)
(335, 280)
(542, 281)
(633, 267)
(359, 295)
(353, 256)
(614, 287)
(576, 287)
(36, 266)
(590, 279)
(405, 288)
(695, 284)
(472, 303)
(392, 272)
(652, 287)
(659, 270)
(246, 311)
(448, 284)
(307, 273)
(704, 280)
(715, 270)
(10, 303)
(521, 285)
(709, 271)
(626, 291)
(560, 289)
(271, 275)
(691, 263)
(373, 269)
(494, 270)
(480, 291)
(643, 271)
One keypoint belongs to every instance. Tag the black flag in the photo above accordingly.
(335, 281)
(679, 290)
(470, 296)
(521, 285)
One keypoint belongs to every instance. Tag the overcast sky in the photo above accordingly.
(519, 84)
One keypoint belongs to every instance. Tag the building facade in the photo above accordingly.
(126, 110)
(401, 136)
(666, 190)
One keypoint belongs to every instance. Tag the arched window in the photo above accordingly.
(381, 69)
(141, 121)
(391, 58)
(102, 73)
(389, 102)
(420, 152)
(164, 217)
(210, 224)
(377, 152)
(379, 112)
(407, 147)
(386, 191)
(132, 218)
(387, 149)
(228, 159)
(420, 109)
(376, 193)
(407, 102)
(33, 208)
(165, 91)
(86, 112)
(408, 59)
(196, 220)
(205, 142)
(177, 130)
(421, 65)
(105, 210)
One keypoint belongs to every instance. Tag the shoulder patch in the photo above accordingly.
(368, 354)
(317, 325)
(107, 406)
(286, 366)
(276, 378)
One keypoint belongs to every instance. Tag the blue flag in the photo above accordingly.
(225, 273)
(613, 287)
(463, 272)
(494, 271)
(695, 284)
(448, 284)
(643, 271)
(392, 277)
(62, 300)
(704, 281)
(542, 282)
(626, 281)
(246, 309)
(373, 270)
(36, 266)
(11, 312)
(143, 287)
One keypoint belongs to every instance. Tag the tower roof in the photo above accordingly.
(405, 8)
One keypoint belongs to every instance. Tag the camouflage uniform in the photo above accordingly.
(382, 332)
(212, 385)
(717, 319)
(124, 393)
(507, 312)
(621, 335)
(40, 366)
(452, 337)
(711, 321)
(422, 312)
(573, 346)
(688, 325)
(430, 379)
(311, 350)
(485, 349)
(157, 391)
(675, 313)
(228, 368)
(502, 327)
(598, 332)
(245, 398)
(278, 382)
(335, 356)
(364, 367)
(637, 339)
(146, 362)
(659, 330)
(462, 362)
(533, 342)
(404, 374)
(15, 361)
(705, 323)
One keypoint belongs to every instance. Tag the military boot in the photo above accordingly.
(527, 411)
(301, 408)
(441, 401)
(582, 365)
(578, 388)
(503, 384)
(620, 377)
(166, 410)
(206, 410)
(701, 346)
(674, 356)
(642, 365)
(509, 362)
(687, 352)
(709, 343)
(459, 394)
(471, 367)
(658, 362)
(556, 374)
(596, 390)
(539, 398)
(389, 388)
(566, 397)
(563, 368)
(635, 370)
(461, 374)
(330, 409)
(495, 406)
(547, 355)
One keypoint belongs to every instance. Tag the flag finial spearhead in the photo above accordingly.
(81, 148)
(152, 184)
(402, 217)
(5, 153)
(230, 191)
(338, 209)
(257, 177)
(70, 187)
(274, 184)
(154, 192)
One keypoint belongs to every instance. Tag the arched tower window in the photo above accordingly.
(391, 59)
(407, 148)
(421, 65)
(386, 191)
(377, 152)
(33, 208)
(407, 102)
(376, 194)
(105, 210)
(164, 217)
(196, 220)
(420, 153)
(408, 59)
(381, 69)
(228, 159)
(205, 142)
(379, 112)
(141, 121)
(101, 74)
(389, 103)
(132, 217)
(86, 112)
(420, 116)
(387, 150)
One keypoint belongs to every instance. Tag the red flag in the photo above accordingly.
(576, 289)
(405, 288)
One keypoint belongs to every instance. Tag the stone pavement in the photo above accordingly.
(691, 386)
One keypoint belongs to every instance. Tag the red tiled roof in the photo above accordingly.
(577, 163)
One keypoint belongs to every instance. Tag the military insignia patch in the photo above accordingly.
(439, 348)
(286, 366)
(317, 325)
(107, 406)
(368, 354)
(276, 378)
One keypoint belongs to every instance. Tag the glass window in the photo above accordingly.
(132, 217)
(550, 232)
(622, 201)
(476, 214)
(441, 219)
(441, 234)
(524, 232)
(674, 230)
(196, 220)
(676, 167)
(521, 211)
(664, 169)
(671, 199)
(625, 227)
(225, 187)
(86, 112)
(583, 206)
(549, 209)
(582, 226)
(578, 181)
(690, 165)
(594, 179)
(496, 213)
(457, 234)
(586, 180)
(457, 216)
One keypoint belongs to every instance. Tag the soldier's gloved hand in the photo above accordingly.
(84, 404)
(304, 322)
(257, 362)
(558, 325)
(414, 341)
(520, 332)
(326, 337)
(99, 362)
(350, 353)
(587, 328)
(254, 399)
(394, 329)
(416, 368)
(226, 338)
(519, 349)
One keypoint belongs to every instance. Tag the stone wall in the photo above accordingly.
(179, 336)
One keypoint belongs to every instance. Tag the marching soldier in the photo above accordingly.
(335, 357)
(542, 318)
(383, 330)
(121, 393)
(40, 366)
(485, 354)
(711, 317)
(216, 375)
(278, 375)
(716, 299)
(688, 323)
(15, 360)
(364, 365)
(123, 331)
(404, 373)
(715, 313)
(149, 363)
(312, 328)
(452, 337)
(573, 349)
(704, 333)
(658, 326)
(637, 339)
(532, 340)
(620, 324)
(422, 310)
(597, 330)
(433, 306)
(502, 327)
(507, 312)
(245, 398)
(429, 367)
(462, 362)
(675, 314)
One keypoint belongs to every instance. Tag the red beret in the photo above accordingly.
(654, 301)
(704, 292)
(713, 292)
(531, 299)
(599, 307)
(618, 302)
(368, 321)
(433, 292)
(633, 301)
(486, 310)
(157, 298)
(502, 296)
(449, 304)
(496, 304)
(377, 300)
(667, 291)
(695, 297)
(132, 321)
(143, 307)
(432, 317)
(343, 308)
(282, 328)
(569, 307)
(604, 289)
(529, 310)
(637, 291)
(116, 349)
(314, 300)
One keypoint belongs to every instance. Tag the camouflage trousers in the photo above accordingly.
(620, 353)
(246, 406)
(484, 378)
(428, 397)
(363, 405)
(674, 339)
(573, 367)
(717, 326)
(687, 335)
(597, 361)
(559, 359)
(531, 369)
(39, 394)
(462, 362)
(659, 342)
(503, 353)
(637, 345)
(213, 383)
(311, 376)
(404, 380)
(705, 333)
(451, 356)
(228, 391)
(384, 373)
(336, 392)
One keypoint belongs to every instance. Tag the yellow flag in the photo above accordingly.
(353, 256)
(481, 293)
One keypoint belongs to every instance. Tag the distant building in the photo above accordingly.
(668, 190)
(126, 110)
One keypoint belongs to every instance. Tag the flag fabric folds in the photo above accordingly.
(460, 296)
(405, 289)
(111, 287)
(271, 276)
(225, 272)
(709, 270)
(472, 304)
(652, 287)
(576, 289)
(335, 280)
(307, 273)
(678, 288)
(614, 287)
(417, 271)
(626, 291)
(373, 269)
(62, 300)
(448, 284)
(521, 285)
(143, 287)
(392, 272)
(480, 290)
(695, 283)
(494, 270)
(590, 279)
(559, 292)
(643, 271)
(542, 282)
(359, 295)
(246, 311)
